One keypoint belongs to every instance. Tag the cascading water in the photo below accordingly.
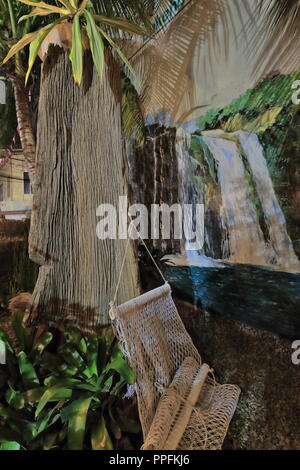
(243, 238)
(280, 241)
(192, 191)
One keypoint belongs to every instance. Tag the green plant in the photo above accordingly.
(83, 17)
(132, 116)
(66, 398)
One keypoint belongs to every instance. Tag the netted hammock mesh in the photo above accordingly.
(180, 404)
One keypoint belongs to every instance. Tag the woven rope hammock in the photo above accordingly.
(180, 404)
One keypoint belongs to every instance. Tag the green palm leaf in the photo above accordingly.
(96, 43)
(76, 55)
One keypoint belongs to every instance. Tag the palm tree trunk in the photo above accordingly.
(81, 163)
(25, 125)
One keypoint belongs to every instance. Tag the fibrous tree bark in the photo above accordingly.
(81, 163)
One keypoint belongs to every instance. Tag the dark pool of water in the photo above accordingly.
(258, 297)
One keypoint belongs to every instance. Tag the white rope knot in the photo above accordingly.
(112, 311)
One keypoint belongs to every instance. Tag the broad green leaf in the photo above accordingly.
(10, 445)
(57, 392)
(107, 385)
(47, 418)
(83, 345)
(92, 355)
(67, 382)
(34, 395)
(54, 364)
(28, 373)
(61, 394)
(35, 45)
(72, 357)
(96, 43)
(76, 415)
(3, 337)
(26, 39)
(34, 49)
(27, 431)
(75, 336)
(65, 370)
(42, 342)
(100, 438)
(125, 371)
(76, 55)
(119, 364)
(15, 398)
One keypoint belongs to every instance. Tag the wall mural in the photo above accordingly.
(237, 150)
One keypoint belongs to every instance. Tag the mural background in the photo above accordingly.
(222, 130)
(219, 111)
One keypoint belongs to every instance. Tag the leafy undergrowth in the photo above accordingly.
(66, 395)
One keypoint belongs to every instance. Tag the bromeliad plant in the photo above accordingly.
(68, 398)
(84, 20)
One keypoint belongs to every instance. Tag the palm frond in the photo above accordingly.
(281, 29)
(164, 64)
(7, 38)
(132, 116)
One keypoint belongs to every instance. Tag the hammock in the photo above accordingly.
(180, 404)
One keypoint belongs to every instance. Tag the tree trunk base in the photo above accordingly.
(81, 163)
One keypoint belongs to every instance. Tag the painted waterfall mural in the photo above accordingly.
(243, 239)
(243, 163)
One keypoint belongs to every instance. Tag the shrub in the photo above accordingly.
(62, 397)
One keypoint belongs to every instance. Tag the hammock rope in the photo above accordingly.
(112, 304)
